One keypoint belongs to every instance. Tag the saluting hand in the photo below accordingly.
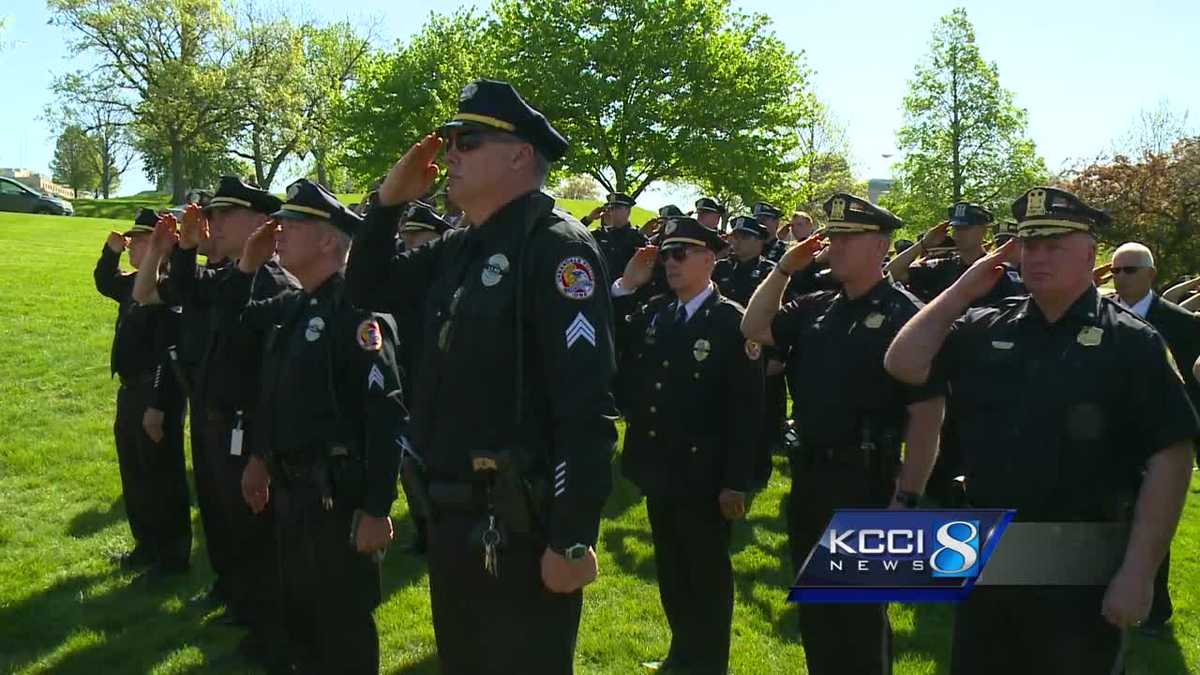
(640, 268)
(936, 235)
(980, 277)
(1102, 274)
(164, 237)
(801, 255)
(413, 175)
(115, 242)
(259, 247)
(193, 230)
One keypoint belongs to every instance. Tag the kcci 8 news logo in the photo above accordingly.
(867, 555)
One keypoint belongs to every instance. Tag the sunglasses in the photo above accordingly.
(467, 141)
(1127, 270)
(677, 254)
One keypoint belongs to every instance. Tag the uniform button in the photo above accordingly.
(658, 385)
(666, 364)
(694, 449)
(652, 434)
(696, 375)
(653, 409)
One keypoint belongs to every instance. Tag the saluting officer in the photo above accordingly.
(513, 412)
(854, 415)
(687, 359)
(1100, 399)
(616, 238)
(239, 542)
(927, 278)
(738, 275)
(149, 424)
(325, 450)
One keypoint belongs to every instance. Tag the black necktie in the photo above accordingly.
(680, 316)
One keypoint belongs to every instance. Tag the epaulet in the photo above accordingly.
(730, 307)
(900, 289)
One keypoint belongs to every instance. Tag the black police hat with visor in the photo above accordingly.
(748, 225)
(142, 224)
(307, 200)
(847, 214)
(492, 110)
(233, 192)
(420, 217)
(1051, 212)
(682, 234)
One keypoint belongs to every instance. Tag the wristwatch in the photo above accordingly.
(909, 500)
(575, 552)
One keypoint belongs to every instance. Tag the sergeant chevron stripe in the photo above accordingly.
(580, 328)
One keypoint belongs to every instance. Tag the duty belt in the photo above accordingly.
(458, 496)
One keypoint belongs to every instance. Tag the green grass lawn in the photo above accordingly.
(65, 609)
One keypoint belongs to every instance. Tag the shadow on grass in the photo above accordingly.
(86, 523)
(426, 666)
(624, 496)
(125, 628)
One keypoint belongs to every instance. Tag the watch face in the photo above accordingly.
(576, 552)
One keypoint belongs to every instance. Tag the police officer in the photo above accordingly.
(688, 359)
(738, 275)
(708, 213)
(239, 542)
(616, 238)
(149, 424)
(854, 416)
(325, 449)
(769, 216)
(419, 226)
(513, 412)
(931, 276)
(1101, 400)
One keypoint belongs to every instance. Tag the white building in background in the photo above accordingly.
(42, 183)
(877, 187)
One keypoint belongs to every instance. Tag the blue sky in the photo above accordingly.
(1082, 68)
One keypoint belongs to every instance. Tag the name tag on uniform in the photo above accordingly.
(1090, 336)
(873, 320)
(235, 437)
(1000, 344)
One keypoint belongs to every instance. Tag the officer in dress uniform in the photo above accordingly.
(148, 429)
(1101, 401)
(688, 358)
(616, 238)
(325, 450)
(513, 413)
(769, 215)
(855, 416)
(709, 213)
(239, 541)
(738, 275)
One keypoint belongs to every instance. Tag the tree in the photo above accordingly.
(577, 187)
(654, 90)
(168, 61)
(963, 138)
(74, 162)
(404, 94)
(1153, 199)
(91, 105)
(334, 58)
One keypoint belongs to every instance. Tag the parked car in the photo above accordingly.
(16, 196)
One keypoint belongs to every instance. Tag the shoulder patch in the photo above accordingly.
(368, 335)
(575, 278)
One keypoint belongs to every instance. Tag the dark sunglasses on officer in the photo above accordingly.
(1128, 269)
(676, 253)
(468, 141)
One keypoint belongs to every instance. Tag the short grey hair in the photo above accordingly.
(541, 167)
(341, 239)
(1138, 251)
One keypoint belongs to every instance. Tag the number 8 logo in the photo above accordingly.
(959, 547)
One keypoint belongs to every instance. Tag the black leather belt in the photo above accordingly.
(459, 496)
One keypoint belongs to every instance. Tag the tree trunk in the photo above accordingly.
(258, 163)
(322, 169)
(955, 130)
(178, 187)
